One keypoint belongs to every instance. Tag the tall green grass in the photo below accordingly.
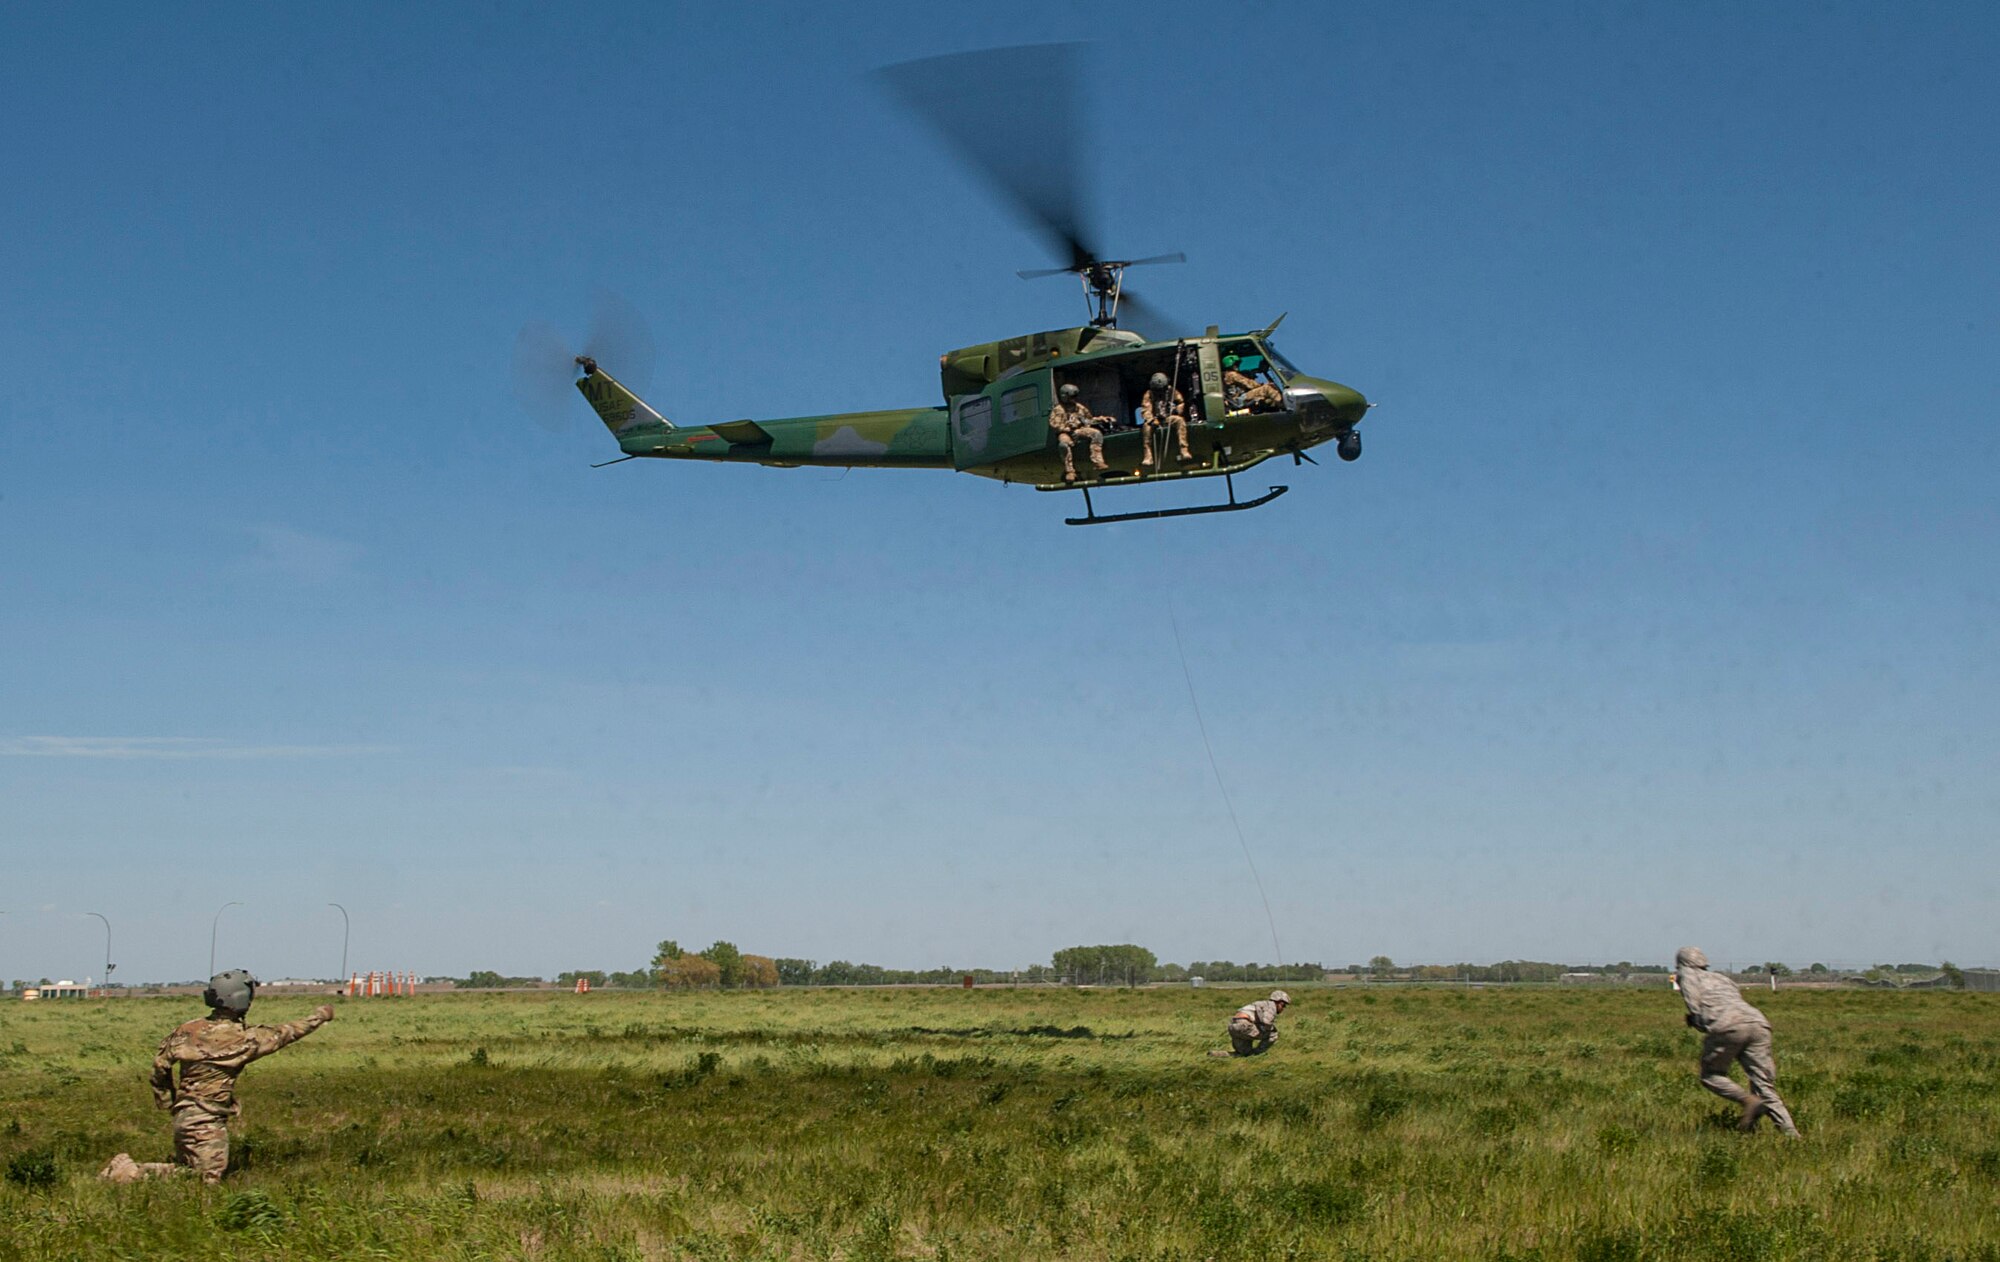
(1422, 1123)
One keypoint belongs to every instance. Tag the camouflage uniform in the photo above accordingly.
(1732, 1031)
(1072, 421)
(1167, 409)
(1253, 1028)
(211, 1051)
(1247, 394)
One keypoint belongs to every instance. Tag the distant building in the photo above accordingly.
(64, 989)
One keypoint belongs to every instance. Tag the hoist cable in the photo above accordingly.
(1229, 805)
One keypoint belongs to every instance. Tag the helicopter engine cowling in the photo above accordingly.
(973, 368)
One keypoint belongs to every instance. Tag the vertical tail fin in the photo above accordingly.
(621, 411)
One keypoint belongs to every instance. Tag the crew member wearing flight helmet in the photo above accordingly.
(1245, 393)
(1163, 407)
(210, 1052)
(1071, 420)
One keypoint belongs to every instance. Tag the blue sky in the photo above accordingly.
(1661, 608)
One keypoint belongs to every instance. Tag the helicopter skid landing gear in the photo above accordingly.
(1093, 518)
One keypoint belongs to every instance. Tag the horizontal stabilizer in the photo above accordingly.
(743, 433)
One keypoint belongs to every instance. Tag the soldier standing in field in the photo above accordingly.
(210, 1051)
(1163, 407)
(1254, 1027)
(1732, 1031)
(1071, 420)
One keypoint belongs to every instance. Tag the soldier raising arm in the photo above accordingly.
(211, 1051)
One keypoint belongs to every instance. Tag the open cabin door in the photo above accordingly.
(1008, 418)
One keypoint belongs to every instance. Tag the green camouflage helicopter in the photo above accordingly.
(997, 396)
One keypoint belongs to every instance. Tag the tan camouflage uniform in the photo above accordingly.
(1254, 1028)
(1247, 394)
(211, 1051)
(1732, 1031)
(1072, 421)
(1168, 410)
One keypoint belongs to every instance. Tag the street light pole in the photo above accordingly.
(108, 965)
(344, 928)
(211, 933)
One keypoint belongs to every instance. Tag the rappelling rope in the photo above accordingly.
(1229, 805)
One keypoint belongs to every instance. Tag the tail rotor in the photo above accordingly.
(546, 364)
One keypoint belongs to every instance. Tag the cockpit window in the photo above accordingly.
(1278, 361)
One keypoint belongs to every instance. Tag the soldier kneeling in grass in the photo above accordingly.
(210, 1051)
(1254, 1027)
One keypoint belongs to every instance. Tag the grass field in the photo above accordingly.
(1415, 1123)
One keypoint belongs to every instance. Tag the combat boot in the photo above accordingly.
(1753, 1109)
(121, 1169)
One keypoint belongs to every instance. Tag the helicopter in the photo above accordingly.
(994, 418)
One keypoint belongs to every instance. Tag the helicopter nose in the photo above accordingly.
(1329, 402)
(1348, 404)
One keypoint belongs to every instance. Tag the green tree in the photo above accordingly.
(728, 960)
(760, 971)
(1817, 970)
(1381, 965)
(689, 972)
(1123, 964)
(795, 972)
(1954, 975)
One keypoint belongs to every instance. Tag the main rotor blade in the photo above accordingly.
(1013, 115)
(1036, 273)
(1147, 320)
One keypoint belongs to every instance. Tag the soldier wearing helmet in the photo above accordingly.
(1254, 1027)
(1163, 407)
(1071, 420)
(1732, 1031)
(211, 1051)
(1244, 392)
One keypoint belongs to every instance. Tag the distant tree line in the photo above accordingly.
(486, 979)
(1224, 971)
(1504, 971)
(722, 966)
